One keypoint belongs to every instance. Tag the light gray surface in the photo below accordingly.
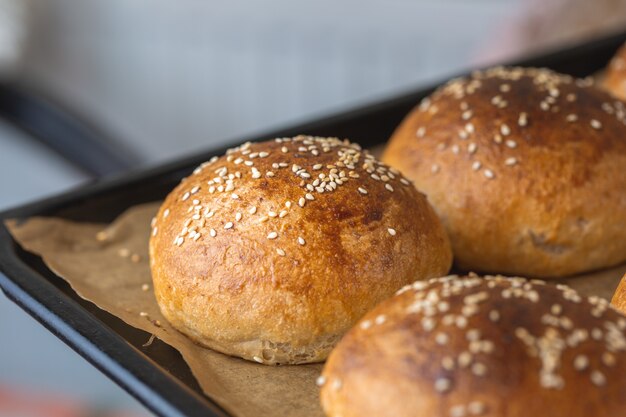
(172, 77)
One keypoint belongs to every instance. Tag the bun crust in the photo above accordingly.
(525, 167)
(273, 251)
(493, 347)
(615, 77)
(619, 298)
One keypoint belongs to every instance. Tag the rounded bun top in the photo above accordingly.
(503, 119)
(274, 250)
(615, 77)
(471, 346)
(524, 166)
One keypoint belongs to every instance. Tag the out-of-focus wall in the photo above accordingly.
(175, 76)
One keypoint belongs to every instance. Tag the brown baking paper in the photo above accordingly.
(109, 273)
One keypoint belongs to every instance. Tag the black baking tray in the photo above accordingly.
(157, 376)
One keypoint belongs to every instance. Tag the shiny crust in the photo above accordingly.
(619, 298)
(525, 167)
(287, 298)
(615, 76)
(494, 347)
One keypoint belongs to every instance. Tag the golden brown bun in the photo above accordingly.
(619, 298)
(525, 167)
(615, 76)
(273, 251)
(492, 347)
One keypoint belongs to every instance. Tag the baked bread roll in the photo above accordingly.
(274, 250)
(493, 347)
(525, 167)
(614, 79)
(619, 298)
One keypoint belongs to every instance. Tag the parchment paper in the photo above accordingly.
(107, 273)
(108, 265)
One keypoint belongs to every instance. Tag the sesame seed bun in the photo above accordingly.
(273, 251)
(525, 167)
(615, 76)
(619, 298)
(471, 346)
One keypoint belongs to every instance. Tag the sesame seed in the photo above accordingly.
(472, 147)
(256, 174)
(598, 378)
(505, 130)
(466, 115)
(365, 324)
(511, 143)
(145, 287)
(301, 241)
(391, 231)
(336, 384)
(228, 225)
(421, 132)
(143, 314)
(269, 174)
(309, 196)
(488, 173)
(455, 149)
(362, 190)
(571, 118)
(523, 119)
(510, 161)
(212, 232)
(479, 369)
(434, 168)
(185, 196)
(442, 384)
(321, 380)
(258, 359)
(389, 187)
(234, 196)
(380, 319)
(238, 216)
(505, 88)
(284, 149)
(166, 213)
(476, 165)
(457, 411)
(476, 408)
(441, 338)
(280, 252)
(581, 362)
(608, 359)
(197, 236)
(272, 235)
(595, 124)
(301, 202)
(497, 138)
(252, 210)
(447, 363)
(263, 154)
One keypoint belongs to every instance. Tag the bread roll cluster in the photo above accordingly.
(275, 250)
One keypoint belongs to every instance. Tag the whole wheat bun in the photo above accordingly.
(273, 251)
(525, 167)
(470, 346)
(614, 80)
(619, 298)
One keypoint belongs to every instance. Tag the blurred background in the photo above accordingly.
(147, 81)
